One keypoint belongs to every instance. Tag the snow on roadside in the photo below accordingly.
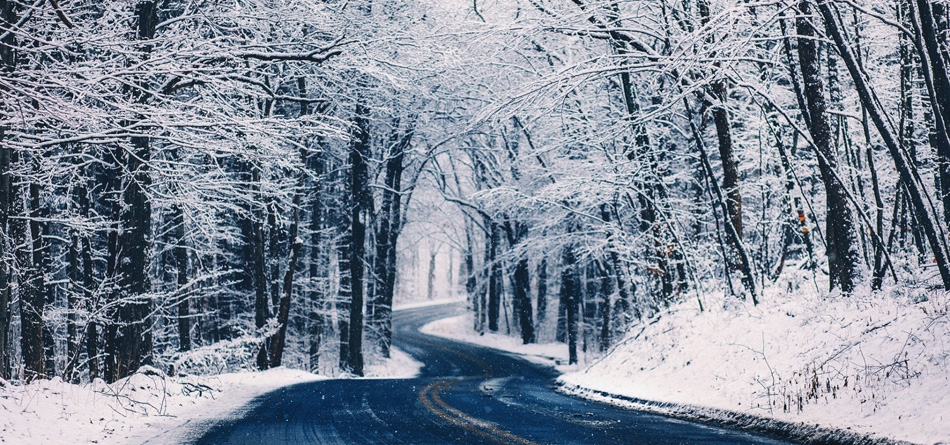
(132, 410)
(399, 306)
(460, 328)
(399, 366)
(872, 365)
(148, 407)
(876, 365)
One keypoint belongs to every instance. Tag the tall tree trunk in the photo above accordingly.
(516, 232)
(181, 267)
(317, 316)
(254, 262)
(842, 244)
(730, 167)
(89, 297)
(471, 280)
(130, 345)
(26, 233)
(430, 278)
(494, 275)
(359, 153)
(283, 309)
(542, 298)
(318, 266)
(6, 194)
(31, 250)
(388, 229)
(570, 299)
(345, 299)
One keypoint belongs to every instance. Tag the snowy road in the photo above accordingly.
(466, 394)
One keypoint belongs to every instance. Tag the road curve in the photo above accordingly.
(466, 395)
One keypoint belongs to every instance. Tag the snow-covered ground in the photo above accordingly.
(875, 365)
(398, 306)
(460, 328)
(147, 407)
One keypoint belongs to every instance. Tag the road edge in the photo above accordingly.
(795, 431)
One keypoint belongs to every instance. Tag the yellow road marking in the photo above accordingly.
(429, 396)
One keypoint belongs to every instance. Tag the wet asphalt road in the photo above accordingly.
(465, 395)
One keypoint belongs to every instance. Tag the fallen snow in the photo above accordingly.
(459, 328)
(426, 303)
(873, 364)
(145, 406)
(148, 407)
(399, 366)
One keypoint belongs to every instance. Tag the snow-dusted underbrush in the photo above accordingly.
(221, 357)
(870, 363)
(147, 406)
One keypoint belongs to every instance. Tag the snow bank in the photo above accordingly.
(147, 406)
(399, 306)
(399, 366)
(459, 328)
(873, 364)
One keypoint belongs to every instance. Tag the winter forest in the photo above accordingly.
(207, 186)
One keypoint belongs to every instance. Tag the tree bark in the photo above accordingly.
(542, 298)
(494, 275)
(387, 235)
(6, 193)
(359, 153)
(842, 244)
(25, 233)
(283, 309)
(181, 267)
(570, 299)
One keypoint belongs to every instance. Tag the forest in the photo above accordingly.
(204, 186)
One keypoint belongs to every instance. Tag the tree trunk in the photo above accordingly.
(25, 233)
(430, 278)
(283, 309)
(570, 298)
(842, 244)
(730, 167)
(494, 275)
(256, 276)
(542, 305)
(6, 194)
(345, 299)
(181, 266)
(129, 342)
(359, 154)
(318, 265)
(387, 235)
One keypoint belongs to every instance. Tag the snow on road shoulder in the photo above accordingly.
(876, 365)
(459, 328)
(400, 306)
(399, 366)
(145, 407)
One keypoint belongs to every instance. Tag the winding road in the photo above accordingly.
(465, 394)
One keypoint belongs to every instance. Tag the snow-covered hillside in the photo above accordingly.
(875, 365)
